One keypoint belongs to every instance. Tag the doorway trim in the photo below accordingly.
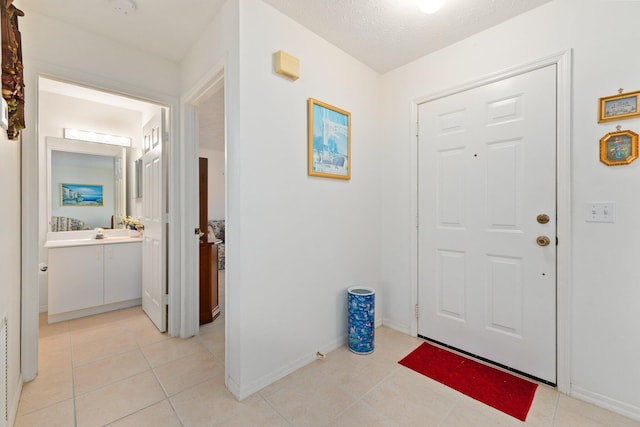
(212, 81)
(30, 140)
(563, 62)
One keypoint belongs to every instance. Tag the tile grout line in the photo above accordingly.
(286, 420)
(555, 410)
(73, 384)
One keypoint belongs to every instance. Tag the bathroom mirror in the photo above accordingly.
(86, 185)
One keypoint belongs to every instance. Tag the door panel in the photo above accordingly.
(486, 162)
(154, 288)
(451, 284)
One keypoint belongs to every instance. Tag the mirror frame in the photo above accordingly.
(82, 147)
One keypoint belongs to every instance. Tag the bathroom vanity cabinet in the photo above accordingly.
(94, 278)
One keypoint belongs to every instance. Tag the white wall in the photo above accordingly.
(216, 182)
(60, 111)
(304, 240)
(56, 49)
(10, 263)
(216, 52)
(294, 243)
(604, 289)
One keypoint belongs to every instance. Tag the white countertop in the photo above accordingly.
(88, 238)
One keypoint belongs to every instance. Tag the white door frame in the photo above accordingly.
(213, 80)
(563, 61)
(31, 152)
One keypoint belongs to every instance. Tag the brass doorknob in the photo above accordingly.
(543, 241)
(542, 218)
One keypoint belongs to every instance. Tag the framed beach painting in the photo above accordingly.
(329, 141)
(81, 195)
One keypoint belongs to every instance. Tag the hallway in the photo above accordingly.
(115, 369)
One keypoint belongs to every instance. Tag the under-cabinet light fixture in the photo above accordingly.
(101, 138)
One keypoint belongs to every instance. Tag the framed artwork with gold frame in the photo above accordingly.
(619, 148)
(329, 140)
(619, 107)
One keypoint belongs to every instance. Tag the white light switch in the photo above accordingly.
(600, 212)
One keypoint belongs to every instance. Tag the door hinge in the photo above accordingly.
(165, 299)
(417, 311)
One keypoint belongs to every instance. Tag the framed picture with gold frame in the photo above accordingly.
(329, 140)
(619, 148)
(619, 107)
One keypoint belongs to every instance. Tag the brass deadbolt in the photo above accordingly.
(543, 218)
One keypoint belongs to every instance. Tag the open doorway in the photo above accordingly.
(211, 155)
(77, 126)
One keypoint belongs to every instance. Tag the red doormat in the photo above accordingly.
(510, 394)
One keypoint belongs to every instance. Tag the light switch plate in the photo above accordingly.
(600, 212)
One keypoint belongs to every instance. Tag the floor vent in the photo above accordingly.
(4, 411)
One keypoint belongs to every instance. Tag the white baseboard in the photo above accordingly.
(244, 392)
(233, 387)
(60, 317)
(13, 404)
(397, 326)
(241, 393)
(613, 405)
(44, 308)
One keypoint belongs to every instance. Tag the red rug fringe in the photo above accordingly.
(501, 390)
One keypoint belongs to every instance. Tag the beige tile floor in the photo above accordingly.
(115, 369)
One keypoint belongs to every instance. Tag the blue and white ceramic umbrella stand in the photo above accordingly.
(362, 303)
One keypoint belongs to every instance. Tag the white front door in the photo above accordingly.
(154, 287)
(487, 179)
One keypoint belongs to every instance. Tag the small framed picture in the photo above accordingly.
(329, 142)
(619, 148)
(619, 107)
(81, 195)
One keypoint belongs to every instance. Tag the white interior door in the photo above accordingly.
(486, 162)
(154, 281)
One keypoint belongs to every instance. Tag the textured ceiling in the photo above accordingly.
(211, 122)
(386, 34)
(166, 28)
(383, 34)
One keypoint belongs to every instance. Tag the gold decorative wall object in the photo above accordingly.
(12, 68)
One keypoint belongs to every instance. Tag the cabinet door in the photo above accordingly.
(75, 278)
(209, 308)
(122, 272)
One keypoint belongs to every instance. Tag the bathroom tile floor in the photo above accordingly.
(115, 369)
